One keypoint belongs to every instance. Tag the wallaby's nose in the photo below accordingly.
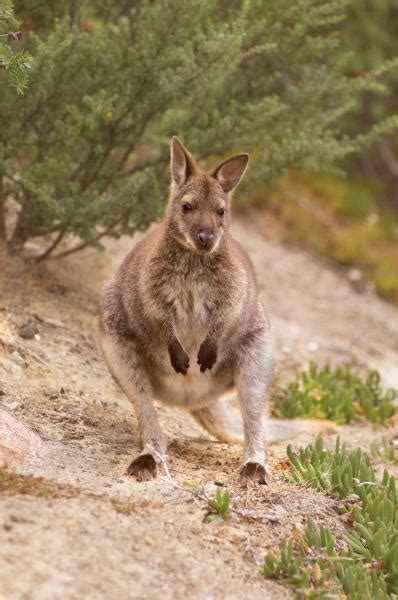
(205, 239)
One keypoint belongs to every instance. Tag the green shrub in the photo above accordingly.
(85, 152)
(372, 34)
(340, 394)
(15, 63)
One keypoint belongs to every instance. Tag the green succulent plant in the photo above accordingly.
(367, 566)
(340, 394)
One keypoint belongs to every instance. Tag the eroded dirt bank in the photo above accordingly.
(95, 533)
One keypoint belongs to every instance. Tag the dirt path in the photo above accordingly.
(94, 533)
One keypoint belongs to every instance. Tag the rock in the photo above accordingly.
(18, 443)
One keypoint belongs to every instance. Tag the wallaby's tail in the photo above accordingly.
(221, 422)
(226, 426)
(279, 430)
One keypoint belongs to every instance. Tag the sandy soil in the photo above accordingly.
(94, 533)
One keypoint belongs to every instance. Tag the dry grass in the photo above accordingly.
(14, 484)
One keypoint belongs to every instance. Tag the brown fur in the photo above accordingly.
(182, 321)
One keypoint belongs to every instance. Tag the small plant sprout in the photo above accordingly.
(385, 451)
(220, 506)
(305, 563)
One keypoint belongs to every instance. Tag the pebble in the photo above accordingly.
(355, 275)
(313, 346)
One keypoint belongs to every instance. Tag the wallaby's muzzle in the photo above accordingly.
(205, 240)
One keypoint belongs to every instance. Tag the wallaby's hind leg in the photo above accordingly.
(254, 369)
(126, 367)
(219, 420)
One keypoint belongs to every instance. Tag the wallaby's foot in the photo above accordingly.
(178, 357)
(143, 468)
(253, 472)
(207, 355)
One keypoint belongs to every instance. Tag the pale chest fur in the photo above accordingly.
(193, 302)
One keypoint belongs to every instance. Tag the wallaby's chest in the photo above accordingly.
(192, 300)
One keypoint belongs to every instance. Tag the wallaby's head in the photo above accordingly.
(198, 210)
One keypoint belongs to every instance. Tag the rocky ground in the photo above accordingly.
(82, 529)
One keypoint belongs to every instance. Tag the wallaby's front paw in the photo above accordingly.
(207, 355)
(143, 468)
(253, 472)
(178, 357)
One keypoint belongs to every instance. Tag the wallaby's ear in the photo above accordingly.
(231, 171)
(181, 162)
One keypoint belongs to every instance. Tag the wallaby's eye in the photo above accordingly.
(186, 207)
(221, 212)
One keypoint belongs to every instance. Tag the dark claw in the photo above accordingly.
(143, 468)
(207, 355)
(178, 357)
(254, 473)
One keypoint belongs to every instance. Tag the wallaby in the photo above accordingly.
(182, 321)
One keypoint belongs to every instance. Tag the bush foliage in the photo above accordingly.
(14, 62)
(372, 34)
(85, 152)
